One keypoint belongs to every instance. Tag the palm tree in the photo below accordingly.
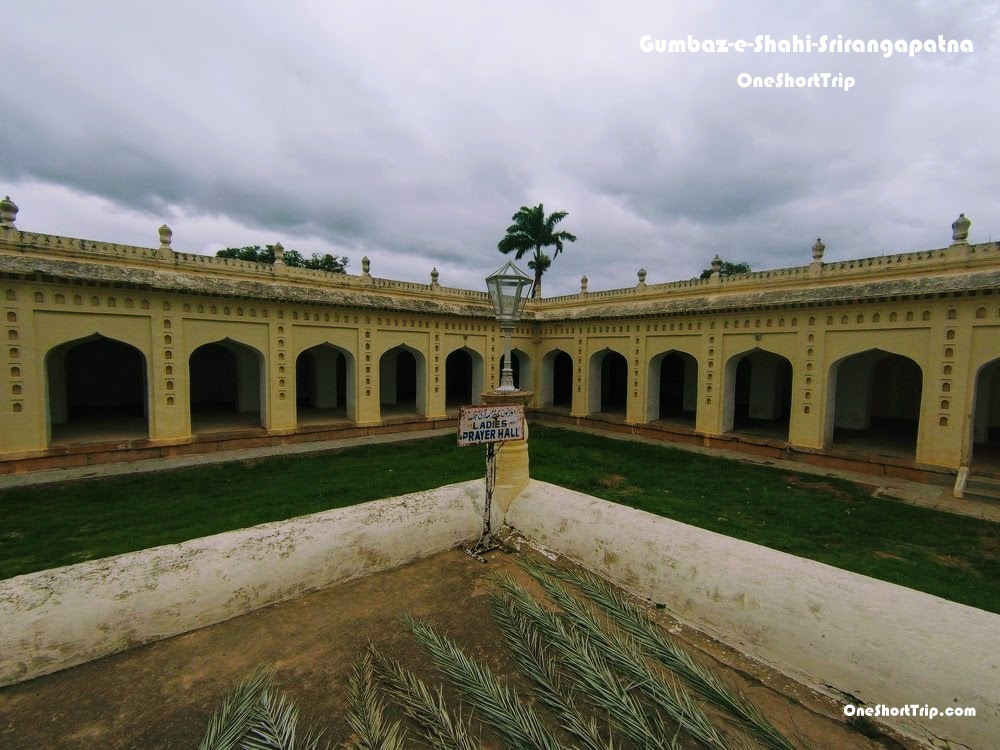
(533, 230)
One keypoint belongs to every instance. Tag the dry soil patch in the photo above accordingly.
(162, 695)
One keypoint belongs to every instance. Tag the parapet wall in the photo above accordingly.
(862, 639)
(66, 616)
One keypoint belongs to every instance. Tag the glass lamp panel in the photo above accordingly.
(506, 288)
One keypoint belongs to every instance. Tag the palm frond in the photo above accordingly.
(658, 645)
(366, 715)
(543, 671)
(435, 722)
(274, 724)
(622, 653)
(233, 718)
(590, 671)
(495, 702)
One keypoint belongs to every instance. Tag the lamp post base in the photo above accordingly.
(512, 458)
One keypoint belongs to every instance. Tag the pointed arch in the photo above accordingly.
(874, 402)
(557, 380)
(227, 387)
(608, 383)
(757, 393)
(97, 390)
(672, 383)
(325, 385)
(402, 383)
(464, 378)
(986, 416)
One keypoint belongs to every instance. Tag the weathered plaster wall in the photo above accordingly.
(66, 616)
(829, 628)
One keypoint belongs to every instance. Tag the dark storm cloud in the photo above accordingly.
(412, 134)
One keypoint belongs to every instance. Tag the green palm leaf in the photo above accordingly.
(233, 718)
(533, 230)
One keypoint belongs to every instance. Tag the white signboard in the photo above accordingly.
(490, 424)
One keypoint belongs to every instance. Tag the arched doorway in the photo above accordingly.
(97, 391)
(324, 386)
(226, 386)
(608, 394)
(557, 381)
(673, 388)
(758, 394)
(464, 381)
(986, 418)
(402, 384)
(875, 403)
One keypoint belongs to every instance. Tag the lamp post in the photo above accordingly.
(504, 407)
(506, 288)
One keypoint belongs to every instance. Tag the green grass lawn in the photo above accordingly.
(828, 520)
(824, 519)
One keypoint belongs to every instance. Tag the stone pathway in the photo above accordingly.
(51, 476)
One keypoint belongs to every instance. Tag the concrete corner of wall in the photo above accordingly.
(58, 618)
(828, 628)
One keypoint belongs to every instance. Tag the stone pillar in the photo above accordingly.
(580, 405)
(594, 375)
(57, 386)
(512, 458)
(981, 417)
(690, 383)
(387, 379)
(248, 378)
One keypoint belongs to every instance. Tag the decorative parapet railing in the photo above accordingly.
(796, 281)
(957, 258)
(165, 259)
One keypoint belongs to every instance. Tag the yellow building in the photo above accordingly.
(888, 364)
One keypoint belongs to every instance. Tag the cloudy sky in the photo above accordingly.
(412, 131)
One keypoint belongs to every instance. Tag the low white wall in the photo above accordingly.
(828, 628)
(65, 616)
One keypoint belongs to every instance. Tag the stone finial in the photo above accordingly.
(8, 212)
(716, 264)
(166, 237)
(365, 266)
(960, 230)
(583, 285)
(434, 276)
(642, 276)
(817, 250)
(279, 254)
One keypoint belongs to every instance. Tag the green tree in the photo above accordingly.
(258, 254)
(728, 269)
(533, 230)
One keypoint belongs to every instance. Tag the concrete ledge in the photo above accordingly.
(831, 629)
(66, 616)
